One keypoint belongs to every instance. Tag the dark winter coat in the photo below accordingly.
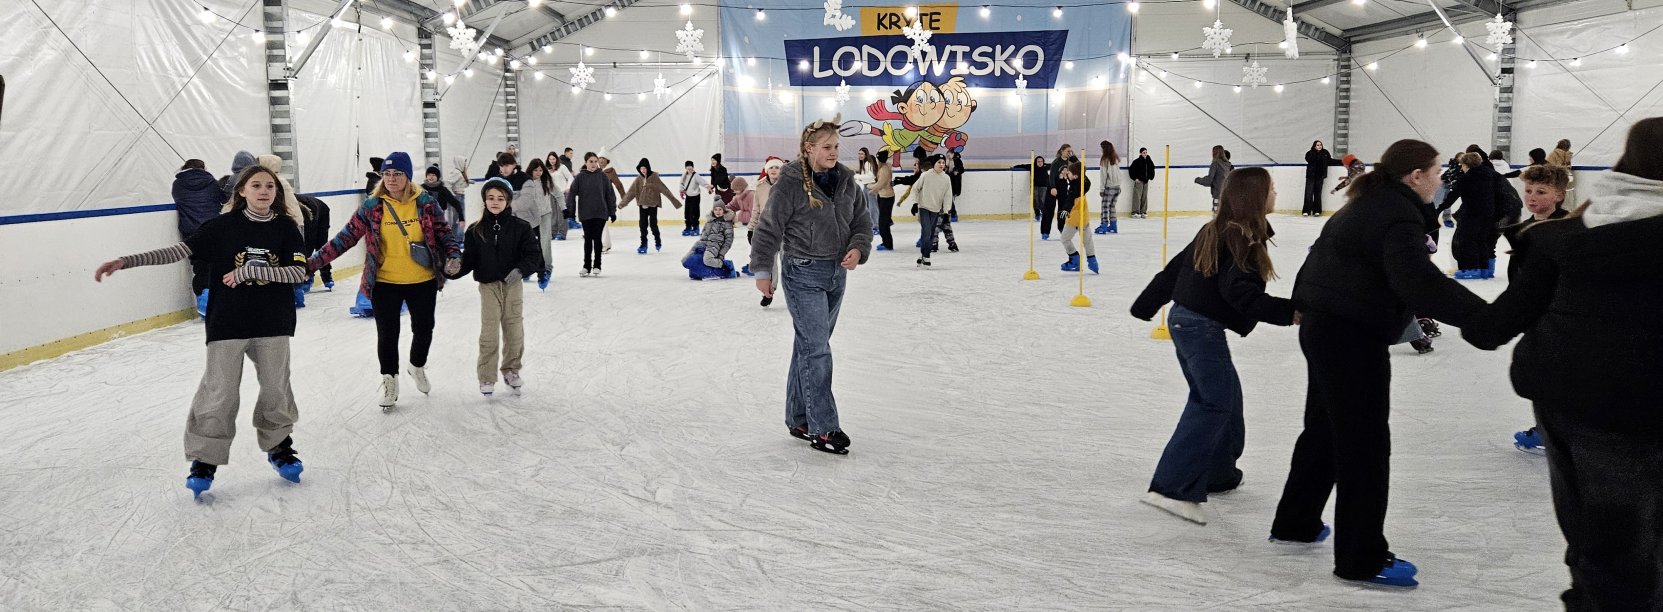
(956, 176)
(447, 200)
(1586, 302)
(497, 245)
(793, 227)
(1521, 242)
(1041, 177)
(1214, 179)
(593, 196)
(1232, 296)
(316, 233)
(1369, 266)
(719, 178)
(1142, 169)
(1477, 188)
(1317, 163)
(1068, 192)
(198, 197)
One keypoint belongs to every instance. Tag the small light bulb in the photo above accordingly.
(499, 51)
(1238, 89)
(987, 11)
(531, 60)
(410, 56)
(1175, 56)
(611, 12)
(1057, 12)
(644, 54)
(761, 16)
(750, 61)
(433, 75)
(539, 75)
(1531, 65)
(514, 65)
(1163, 74)
(1132, 7)
(1420, 43)
(697, 60)
(641, 96)
(303, 37)
(206, 16)
(576, 90)
(607, 97)
(1492, 57)
(450, 18)
(686, 9)
(459, 3)
(802, 65)
(1068, 65)
(533, 3)
(1282, 45)
(1326, 80)
(1279, 88)
(258, 37)
(785, 97)
(1576, 62)
(588, 50)
(1124, 57)
(1198, 84)
(337, 23)
(468, 73)
(1374, 66)
(912, 11)
(1209, 4)
(1623, 50)
(1359, 2)
(1459, 39)
(386, 23)
(450, 78)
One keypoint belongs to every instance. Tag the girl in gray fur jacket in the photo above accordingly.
(705, 260)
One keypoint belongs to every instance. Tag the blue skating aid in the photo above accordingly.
(361, 307)
(202, 304)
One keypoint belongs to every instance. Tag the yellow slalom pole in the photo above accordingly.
(1032, 274)
(1081, 301)
(1161, 332)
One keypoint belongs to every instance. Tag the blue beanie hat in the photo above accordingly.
(400, 161)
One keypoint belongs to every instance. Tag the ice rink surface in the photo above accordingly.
(1001, 441)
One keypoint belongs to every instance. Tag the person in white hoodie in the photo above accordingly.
(935, 197)
(1591, 362)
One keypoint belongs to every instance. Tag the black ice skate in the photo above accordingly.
(800, 433)
(835, 442)
(1430, 328)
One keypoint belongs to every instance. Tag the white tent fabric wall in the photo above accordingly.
(668, 130)
(355, 98)
(1402, 100)
(1558, 105)
(1281, 125)
(73, 144)
(473, 116)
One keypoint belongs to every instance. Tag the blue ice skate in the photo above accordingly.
(1490, 272)
(1044, 236)
(1468, 275)
(1322, 536)
(361, 307)
(201, 478)
(884, 248)
(543, 281)
(1102, 228)
(1091, 262)
(1073, 263)
(1529, 440)
(747, 270)
(1398, 573)
(282, 458)
(202, 304)
(1114, 225)
(300, 295)
(329, 285)
(641, 249)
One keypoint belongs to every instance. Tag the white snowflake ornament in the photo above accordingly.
(689, 41)
(842, 91)
(1218, 38)
(1501, 31)
(659, 89)
(1254, 75)
(1021, 86)
(920, 36)
(462, 38)
(1290, 36)
(582, 76)
(835, 17)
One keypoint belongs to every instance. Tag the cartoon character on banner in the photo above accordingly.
(929, 115)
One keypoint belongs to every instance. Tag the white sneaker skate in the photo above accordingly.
(1189, 511)
(389, 392)
(420, 376)
(514, 381)
(486, 389)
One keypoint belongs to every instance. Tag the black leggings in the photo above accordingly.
(692, 211)
(1048, 211)
(886, 211)
(592, 229)
(649, 218)
(386, 299)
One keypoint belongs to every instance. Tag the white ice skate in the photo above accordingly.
(420, 376)
(486, 389)
(514, 381)
(389, 392)
(1189, 511)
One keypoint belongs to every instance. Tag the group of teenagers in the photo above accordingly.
(1583, 288)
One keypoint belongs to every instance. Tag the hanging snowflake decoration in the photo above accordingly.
(659, 89)
(1501, 31)
(462, 37)
(1218, 38)
(920, 36)
(842, 91)
(582, 76)
(689, 41)
(1254, 75)
(1021, 86)
(1290, 34)
(835, 17)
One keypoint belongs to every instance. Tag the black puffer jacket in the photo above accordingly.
(198, 197)
(1141, 169)
(1317, 163)
(1369, 266)
(593, 196)
(1586, 302)
(498, 244)
(1476, 188)
(1232, 296)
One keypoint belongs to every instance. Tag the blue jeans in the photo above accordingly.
(872, 207)
(814, 295)
(926, 230)
(1202, 453)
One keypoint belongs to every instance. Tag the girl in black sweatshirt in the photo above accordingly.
(499, 250)
(1217, 283)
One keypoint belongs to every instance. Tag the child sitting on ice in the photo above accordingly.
(705, 260)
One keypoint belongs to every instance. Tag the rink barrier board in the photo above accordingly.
(61, 347)
(150, 208)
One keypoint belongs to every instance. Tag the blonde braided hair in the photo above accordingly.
(809, 134)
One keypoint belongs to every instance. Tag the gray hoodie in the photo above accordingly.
(1620, 197)
(792, 228)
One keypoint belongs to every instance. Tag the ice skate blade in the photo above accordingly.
(1530, 450)
(1189, 511)
(828, 449)
(1382, 583)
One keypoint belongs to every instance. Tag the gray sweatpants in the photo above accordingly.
(212, 422)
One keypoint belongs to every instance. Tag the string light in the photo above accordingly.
(611, 12)
(258, 37)
(1068, 65)
(1132, 7)
(987, 11)
(386, 23)
(1175, 56)
(1057, 12)
(1279, 88)
(588, 50)
(1238, 89)
(1576, 62)
(450, 18)
(468, 73)
(1623, 50)
(1459, 39)
(912, 11)
(761, 16)
(1359, 2)
(206, 16)
(643, 54)
(1374, 66)
(1209, 4)
(1420, 42)
(686, 9)
(1325, 80)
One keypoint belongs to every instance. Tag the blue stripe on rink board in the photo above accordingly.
(134, 210)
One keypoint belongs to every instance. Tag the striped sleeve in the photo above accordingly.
(158, 257)
(285, 274)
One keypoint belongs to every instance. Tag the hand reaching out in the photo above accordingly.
(108, 268)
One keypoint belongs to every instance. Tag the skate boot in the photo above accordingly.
(389, 392)
(585, 273)
(800, 433)
(885, 247)
(747, 270)
(658, 245)
(1114, 225)
(486, 389)
(1430, 328)
(282, 458)
(924, 263)
(1467, 275)
(1321, 537)
(1490, 272)
(420, 376)
(1422, 346)
(202, 477)
(1394, 572)
(514, 381)
(1187, 510)
(1044, 236)
(329, 285)
(1529, 440)
(202, 304)
(1091, 262)
(1102, 228)
(766, 300)
(542, 281)
(1073, 263)
(952, 247)
(642, 249)
(835, 442)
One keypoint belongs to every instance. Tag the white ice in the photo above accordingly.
(1001, 441)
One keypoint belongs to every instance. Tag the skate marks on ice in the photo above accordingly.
(1002, 439)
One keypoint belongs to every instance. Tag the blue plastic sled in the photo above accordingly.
(697, 270)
